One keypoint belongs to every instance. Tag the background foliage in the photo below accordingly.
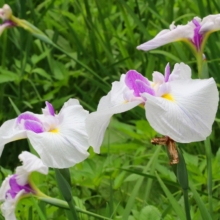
(130, 179)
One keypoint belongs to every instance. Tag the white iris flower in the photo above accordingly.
(60, 139)
(16, 186)
(176, 105)
(195, 33)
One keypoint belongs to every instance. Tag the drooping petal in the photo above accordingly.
(179, 33)
(56, 149)
(189, 117)
(10, 132)
(97, 122)
(180, 72)
(30, 163)
(114, 102)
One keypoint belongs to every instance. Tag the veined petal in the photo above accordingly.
(9, 132)
(30, 163)
(130, 80)
(56, 149)
(97, 122)
(190, 116)
(179, 33)
(180, 72)
(72, 124)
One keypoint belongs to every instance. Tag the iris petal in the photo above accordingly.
(191, 116)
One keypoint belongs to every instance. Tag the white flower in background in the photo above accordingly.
(176, 105)
(195, 33)
(16, 186)
(61, 140)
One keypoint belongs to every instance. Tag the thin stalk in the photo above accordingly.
(186, 203)
(209, 172)
(63, 204)
(182, 176)
(73, 210)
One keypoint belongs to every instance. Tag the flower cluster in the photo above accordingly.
(175, 105)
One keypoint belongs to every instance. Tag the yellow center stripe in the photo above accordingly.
(168, 97)
(54, 130)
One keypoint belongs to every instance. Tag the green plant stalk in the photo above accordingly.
(65, 190)
(204, 74)
(186, 203)
(182, 176)
(62, 204)
(209, 172)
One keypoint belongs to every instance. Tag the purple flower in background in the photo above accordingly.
(16, 186)
(60, 139)
(195, 33)
(175, 105)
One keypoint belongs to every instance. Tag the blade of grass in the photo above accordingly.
(171, 199)
(204, 212)
(138, 184)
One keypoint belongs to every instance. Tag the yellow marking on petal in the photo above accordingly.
(55, 130)
(168, 97)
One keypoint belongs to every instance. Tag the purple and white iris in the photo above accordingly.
(176, 105)
(195, 33)
(16, 186)
(60, 139)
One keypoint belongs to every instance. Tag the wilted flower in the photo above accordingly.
(195, 33)
(176, 105)
(16, 186)
(60, 140)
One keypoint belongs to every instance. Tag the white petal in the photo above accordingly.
(56, 149)
(4, 188)
(210, 23)
(72, 124)
(97, 122)
(9, 132)
(190, 117)
(179, 33)
(158, 77)
(113, 103)
(181, 71)
(30, 163)
(9, 206)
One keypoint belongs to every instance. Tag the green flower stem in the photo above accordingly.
(182, 177)
(209, 172)
(62, 204)
(186, 203)
(204, 74)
